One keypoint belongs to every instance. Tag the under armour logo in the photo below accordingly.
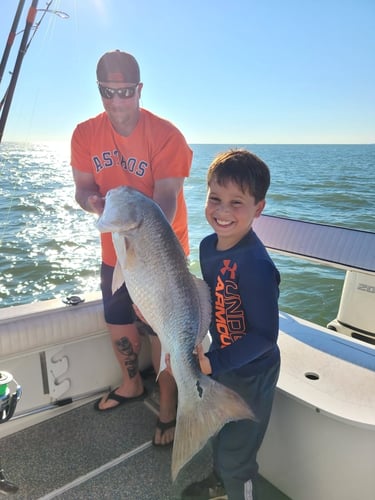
(227, 267)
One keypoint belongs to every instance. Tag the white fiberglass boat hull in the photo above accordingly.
(320, 443)
(59, 353)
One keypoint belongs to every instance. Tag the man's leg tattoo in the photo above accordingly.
(125, 348)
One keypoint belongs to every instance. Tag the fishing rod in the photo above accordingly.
(11, 37)
(25, 43)
(21, 52)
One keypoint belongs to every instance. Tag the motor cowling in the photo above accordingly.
(356, 315)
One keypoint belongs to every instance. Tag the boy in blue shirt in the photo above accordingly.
(244, 285)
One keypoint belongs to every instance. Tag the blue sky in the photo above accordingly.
(239, 72)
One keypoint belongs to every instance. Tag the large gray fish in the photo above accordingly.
(176, 305)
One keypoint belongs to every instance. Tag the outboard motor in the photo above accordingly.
(357, 305)
(8, 403)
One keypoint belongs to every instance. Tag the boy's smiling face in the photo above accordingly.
(230, 212)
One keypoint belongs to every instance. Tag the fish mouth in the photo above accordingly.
(103, 227)
(117, 227)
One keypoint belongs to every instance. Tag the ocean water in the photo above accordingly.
(50, 248)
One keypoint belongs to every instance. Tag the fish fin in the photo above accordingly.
(205, 309)
(120, 248)
(163, 364)
(202, 415)
(119, 243)
(117, 278)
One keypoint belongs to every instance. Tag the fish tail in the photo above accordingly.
(201, 415)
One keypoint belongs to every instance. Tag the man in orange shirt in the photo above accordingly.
(128, 145)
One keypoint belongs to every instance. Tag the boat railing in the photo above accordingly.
(340, 247)
(335, 246)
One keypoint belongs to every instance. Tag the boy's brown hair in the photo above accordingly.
(243, 168)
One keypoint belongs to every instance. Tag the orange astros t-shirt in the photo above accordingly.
(155, 150)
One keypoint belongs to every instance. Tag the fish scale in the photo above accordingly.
(176, 304)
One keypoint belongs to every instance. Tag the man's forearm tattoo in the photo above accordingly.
(125, 348)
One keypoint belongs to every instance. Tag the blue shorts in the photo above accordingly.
(118, 307)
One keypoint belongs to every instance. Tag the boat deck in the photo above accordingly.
(84, 454)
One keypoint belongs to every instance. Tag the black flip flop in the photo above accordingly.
(164, 426)
(120, 399)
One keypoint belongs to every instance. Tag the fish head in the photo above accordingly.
(123, 211)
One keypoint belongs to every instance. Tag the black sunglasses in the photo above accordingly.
(124, 93)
